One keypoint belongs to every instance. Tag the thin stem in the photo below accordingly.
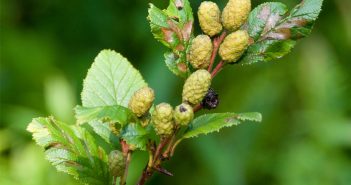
(125, 147)
(148, 170)
(114, 180)
(151, 157)
(165, 154)
(197, 108)
(162, 144)
(144, 176)
(174, 146)
(125, 175)
(217, 69)
(216, 43)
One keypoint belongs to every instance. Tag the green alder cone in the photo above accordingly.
(183, 114)
(200, 51)
(234, 45)
(196, 86)
(210, 18)
(235, 14)
(162, 118)
(141, 101)
(116, 163)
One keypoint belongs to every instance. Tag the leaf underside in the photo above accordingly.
(111, 80)
(72, 150)
(107, 89)
(109, 114)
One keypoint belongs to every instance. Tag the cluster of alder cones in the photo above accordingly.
(212, 22)
(196, 89)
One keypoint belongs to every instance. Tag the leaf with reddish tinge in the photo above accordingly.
(275, 31)
(264, 18)
(173, 27)
(160, 27)
(176, 64)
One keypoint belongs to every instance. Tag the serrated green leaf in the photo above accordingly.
(72, 150)
(111, 114)
(274, 32)
(295, 25)
(111, 80)
(267, 50)
(299, 23)
(250, 116)
(135, 135)
(209, 123)
(307, 9)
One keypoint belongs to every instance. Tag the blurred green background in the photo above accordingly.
(46, 48)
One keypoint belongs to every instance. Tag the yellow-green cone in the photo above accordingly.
(116, 163)
(235, 14)
(162, 118)
(141, 101)
(196, 86)
(209, 18)
(200, 51)
(183, 114)
(234, 45)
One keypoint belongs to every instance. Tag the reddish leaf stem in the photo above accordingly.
(125, 175)
(148, 170)
(217, 69)
(125, 147)
(216, 43)
(158, 152)
(165, 154)
(197, 108)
